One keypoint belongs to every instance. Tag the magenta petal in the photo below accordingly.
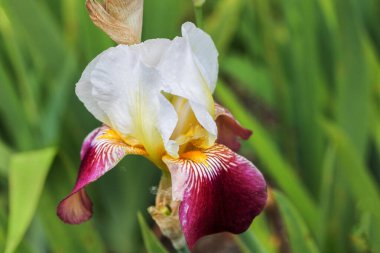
(101, 150)
(86, 145)
(75, 208)
(229, 129)
(222, 191)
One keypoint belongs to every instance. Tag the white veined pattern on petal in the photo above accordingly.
(108, 153)
(216, 161)
(101, 150)
(104, 152)
(223, 191)
(198, 167)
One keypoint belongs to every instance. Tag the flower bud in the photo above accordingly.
(120, 19)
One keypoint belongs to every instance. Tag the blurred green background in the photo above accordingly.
(304, 75)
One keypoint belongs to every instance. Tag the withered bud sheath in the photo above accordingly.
(120, 19)
(165, 214)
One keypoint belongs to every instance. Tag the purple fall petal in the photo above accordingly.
(229, 129)
(86, 145)
(102, 149)
(220, 190)
(76, 208)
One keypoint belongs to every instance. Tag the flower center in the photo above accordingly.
(188, 132)
(186, 117)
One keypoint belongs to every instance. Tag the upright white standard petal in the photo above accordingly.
(150, 51)
(125, 93)
(189, 68)
(204, 52)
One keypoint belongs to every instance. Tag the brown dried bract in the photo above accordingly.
(120, 19)
(165, 214)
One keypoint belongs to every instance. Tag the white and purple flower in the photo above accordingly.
(155, 99)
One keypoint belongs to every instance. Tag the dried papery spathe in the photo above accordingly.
(120, 19)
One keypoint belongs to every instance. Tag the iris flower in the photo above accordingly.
(155, 99)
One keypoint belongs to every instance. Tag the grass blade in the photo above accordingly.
(274, 164)
(5, 154)
(152, 244)
(355, 174)
(299, 235)
(27, 173)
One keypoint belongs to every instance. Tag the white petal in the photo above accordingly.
(206, 120)
(204, 51)
(126, 93)
(166, 124)
(150, 51)
(181, 75)
(122, 87)
(185, 71)
(84, 88)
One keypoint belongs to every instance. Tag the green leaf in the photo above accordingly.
(300, 237)
(253, 79)
(223, 23)
(248, 243)
(51, 122)
(326, 196)
(5, 154)
(274, 164)
(353, 171)
(157, 25)
(3, 222)
(11, 110)
(118, 192)
(305, 88)
(258, 237)
(27, 173)
(63, 237)
(348, 65)
(17, 60)
(31, 18)
(361, 183)
(152, 244)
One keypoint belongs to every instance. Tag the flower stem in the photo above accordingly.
(184, 250)
(198, 16)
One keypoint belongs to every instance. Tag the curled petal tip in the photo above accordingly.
(102, 149)
(76, 208)
(229, 129)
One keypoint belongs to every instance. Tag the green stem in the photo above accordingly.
(198, 16)
(183, 250)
